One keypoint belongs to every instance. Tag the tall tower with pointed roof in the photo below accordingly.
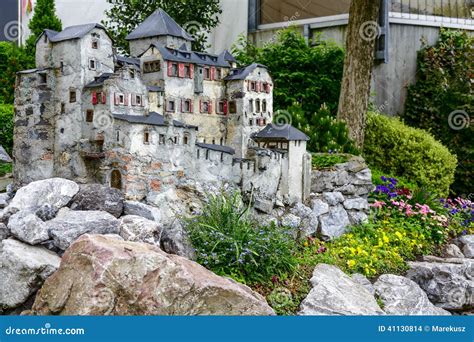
(158, 28)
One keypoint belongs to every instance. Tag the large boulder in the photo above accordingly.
(449, 284)
(467, 244)
(54, 193)
(4, 199)
(139, 229)
(100, 275)
(335, 293)
(28, 227)
(69, 225)
(402, 296)
(4, 232)
(99, 198)
(335, 223)
(23, 269)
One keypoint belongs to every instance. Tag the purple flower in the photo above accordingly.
(383, 178)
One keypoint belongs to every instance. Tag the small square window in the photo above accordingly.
(218, 73)
(43, 78)
(171, 106)
(121, 99)
(252, 86)
(207, 73)
(92, 64)
(139, 100)
(232, 107)
(162, 139)
(174, 69)
(251, 122)
(72, 96)
(186, 140)
(146, 137)
(187, 106)
(220, 107)
(205, 107)
(95, 44)
(90, 116)
(187, 71)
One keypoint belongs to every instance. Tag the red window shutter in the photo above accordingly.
(213, 73)
(200, 106)
(116, 97)
(170, 69)
(191, 105)
(191, 70)
(209, 107)
(225, 107)
(181, 70)
(104, 98)
(94, 98)
(127, 99)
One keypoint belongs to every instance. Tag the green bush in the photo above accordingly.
(412, 153)
(230, 244)
(323, 160)
(6, 127)
(442, 100)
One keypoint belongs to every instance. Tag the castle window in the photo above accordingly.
(138, 100)
(220, 107)
(187, 106)
(232, 107)
(72, 96)
(43, 78)
(251, 122)
(251, 105)
(153, 66)
(175, 140)
(162, 139)
(92, 64)
(218, 73)
(252, 86)
(186, 140)
(95, 44)
(121, 99)
(257, 106)
(205, 107)
(264, 105)
(207, 73)
(174, 69)
(118, 136)
(63, 108)
(90, 116)
(146, 137)
(170, 107)
(187, 71)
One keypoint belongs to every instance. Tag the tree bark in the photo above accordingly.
(362, 34)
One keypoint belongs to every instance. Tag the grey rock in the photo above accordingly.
(69, 225)
(175, 240)
(99, 197)
(348, 189)
(28, 227)
(453, 251)
(319, 207)
(449, 285)
(23, 269)
(46, 212)
(4, 199)
(334, 224)
(341, 178)
(363, 177)
(333, 198)
(357, 217)
(335, 293)
(290, 221)
(263, 205)
(467, 244)
(362, 280)
(139, 229)
(55, 192)
(4, 232)
(356, 204)
(142, 209)
(402, 296)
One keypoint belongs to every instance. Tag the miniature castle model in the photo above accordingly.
(147, 123)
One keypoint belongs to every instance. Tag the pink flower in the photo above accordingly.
(378, 204)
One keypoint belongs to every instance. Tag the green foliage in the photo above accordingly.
(323, 160)
(412, 153)
(6, 127)
(44, 17)
(5, 169)
(445, 86)
(12, 60)
(229, 243)
(308, 76)
(198, 17)
(326, 133)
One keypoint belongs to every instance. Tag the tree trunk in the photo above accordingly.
(362, 34)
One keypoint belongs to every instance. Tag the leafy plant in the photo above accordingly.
(397, 149)
(229, 243)
(198, 17)
(321, 160)
(44, 17)
(5, 169)
(6, 127)
(441, 101)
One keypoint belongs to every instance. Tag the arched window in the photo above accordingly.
(116, 180)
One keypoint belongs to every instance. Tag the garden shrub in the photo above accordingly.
(6, 127)
(230, 244)
(324, 160)
(397, 149)
(442, 103)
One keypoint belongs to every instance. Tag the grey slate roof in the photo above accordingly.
(242, 73)
(280, 132)
(218, 148)
(99, 81)
(49, 33)
(159, 23)
(227, 56)
(154, 88)
(75, 32)
(193, 57)
(127, 60)
(4, 157)
(153, 119)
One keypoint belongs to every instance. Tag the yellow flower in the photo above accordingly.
(385, 238)
(306, 244)
(351, 263)
(399, 235)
